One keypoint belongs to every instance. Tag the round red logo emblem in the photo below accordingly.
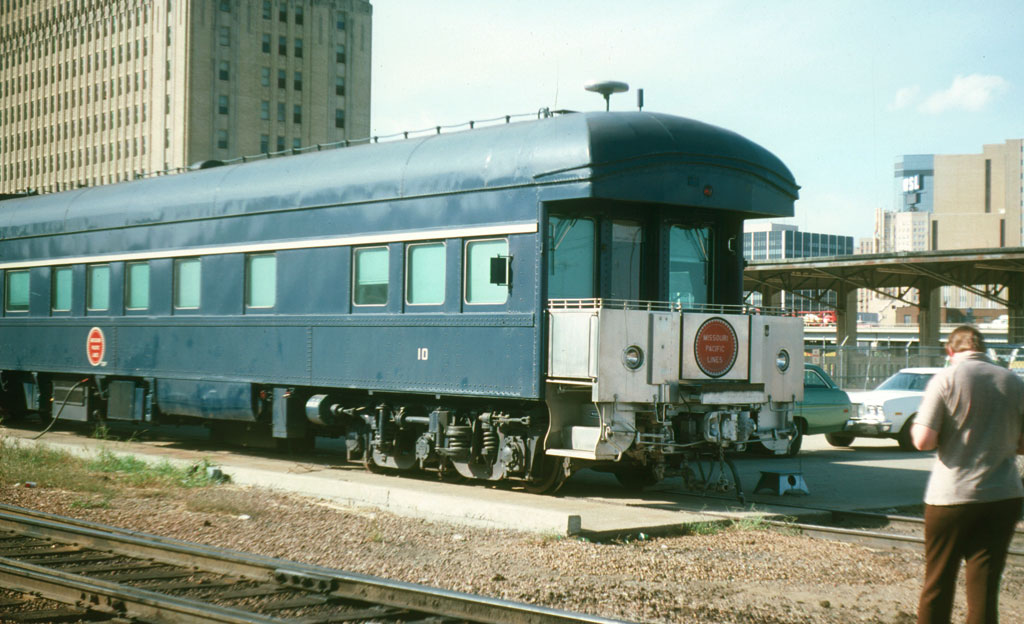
(95, 346)
(715, 347)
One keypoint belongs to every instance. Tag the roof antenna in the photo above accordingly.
(640, 99)
(607, 88)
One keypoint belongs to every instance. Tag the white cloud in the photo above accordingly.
(905, 97)
(968, 93)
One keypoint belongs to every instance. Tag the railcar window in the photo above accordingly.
(60, 290)
(425, 273)
(479, 288)
(97, 287)
(570, 258)
(17, 292)
(187, 280)
(626, 260)
(689, 270)
(261, 281)
(137, 286)
(371, 276)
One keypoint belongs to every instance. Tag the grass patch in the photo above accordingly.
(103, 476)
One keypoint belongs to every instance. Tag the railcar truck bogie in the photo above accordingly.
(509, 303)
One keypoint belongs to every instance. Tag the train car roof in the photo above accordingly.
(629, 156)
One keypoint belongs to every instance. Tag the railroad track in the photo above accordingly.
(879, 531)
(71, 570)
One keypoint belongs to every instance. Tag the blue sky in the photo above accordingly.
(837, 90)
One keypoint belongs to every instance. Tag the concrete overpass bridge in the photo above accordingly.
(996, 274)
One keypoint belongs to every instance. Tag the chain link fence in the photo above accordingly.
(864, 367)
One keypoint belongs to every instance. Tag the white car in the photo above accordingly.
(887, 411)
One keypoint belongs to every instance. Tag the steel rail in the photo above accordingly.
(116, 599)
(337, 583)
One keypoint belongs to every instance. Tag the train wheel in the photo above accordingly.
(637, 477)
(552, 476)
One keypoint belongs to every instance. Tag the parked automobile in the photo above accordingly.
(888, 410)
(825, 408)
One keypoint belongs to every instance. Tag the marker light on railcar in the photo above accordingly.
(782, 361)
(633, 357)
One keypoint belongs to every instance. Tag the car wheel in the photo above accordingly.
(798, 438)
(905, 441)
(839, 439)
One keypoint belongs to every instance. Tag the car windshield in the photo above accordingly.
(906, 381)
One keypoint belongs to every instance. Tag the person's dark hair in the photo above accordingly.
(965, 338)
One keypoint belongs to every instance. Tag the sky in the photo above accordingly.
(838, 90)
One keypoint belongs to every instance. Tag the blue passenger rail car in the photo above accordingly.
(510, 302)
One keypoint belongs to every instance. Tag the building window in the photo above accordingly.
(97, 287)
(298, 81)
(339, 85)
(222, 139)
(296, 143)
(280, 143)
(341, 21)
(298, 48)
(282, 46)
(266, 9)
(187, 281)
(479, 288)
(224, 36)
(137, 286)
(225, 5)
(425, 274)
(282, 79)
(266, 43)
(265, 111)
(297, 114)
(265, 76)
(223, 70)
(339, 53)
(264, 143)
(298, 16)
(339, 118)
(17, 292)
(371, 276)
(260, 280)
(60, 290)
(280, 112)
(222, 104)
(282, 13)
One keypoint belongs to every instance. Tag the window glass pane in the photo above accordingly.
(97, 284)
(689, 265)
(570, 258)
(425, 274)
(371, 281)
(137, 286)
(60, 298)
(186, 283)
(479, 288)
(626, 260)
(261, 281)
(16, 299)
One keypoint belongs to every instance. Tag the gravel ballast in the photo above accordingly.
(739, 574)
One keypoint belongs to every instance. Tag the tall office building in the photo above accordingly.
(101, 91)
(763, 240)
(955, 201)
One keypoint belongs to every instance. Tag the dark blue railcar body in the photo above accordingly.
(222, 359)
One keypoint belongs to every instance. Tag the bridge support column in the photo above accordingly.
(929, 313)
(1015, 309)
(846, 316)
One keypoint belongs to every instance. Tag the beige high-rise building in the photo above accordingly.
(101, 91)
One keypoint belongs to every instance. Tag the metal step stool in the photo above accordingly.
(782, 482)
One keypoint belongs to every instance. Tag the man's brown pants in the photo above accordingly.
(978, 533)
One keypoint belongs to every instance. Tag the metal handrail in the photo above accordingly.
(661, 306)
